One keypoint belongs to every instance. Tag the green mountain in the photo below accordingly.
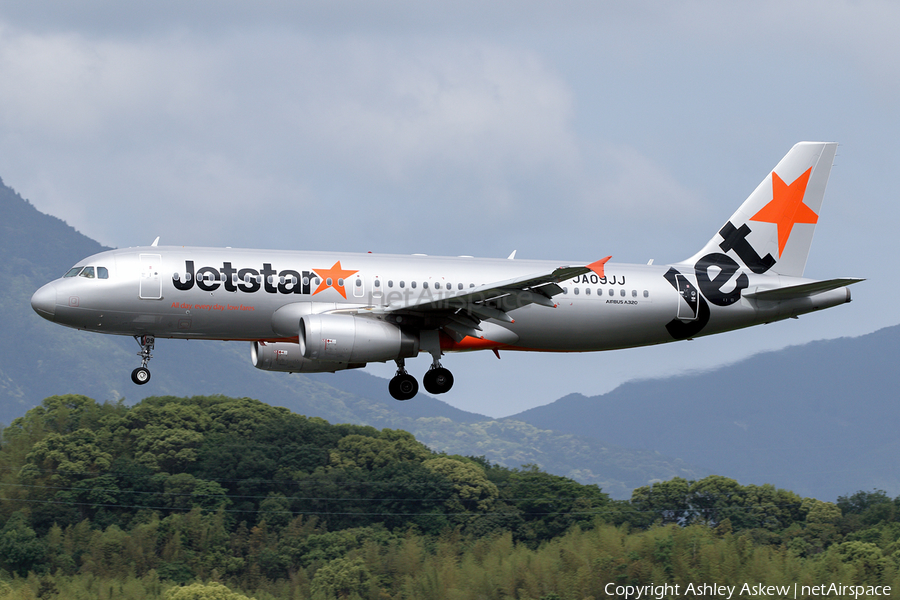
(39, 359)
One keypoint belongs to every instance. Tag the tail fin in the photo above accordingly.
(773, 229)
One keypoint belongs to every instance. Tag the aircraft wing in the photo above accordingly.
(463, 310)
(802, 290)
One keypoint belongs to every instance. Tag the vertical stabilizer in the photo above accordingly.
(773, 229)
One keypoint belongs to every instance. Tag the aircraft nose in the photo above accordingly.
(44, 301)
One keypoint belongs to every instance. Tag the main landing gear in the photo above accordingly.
(404, 386)
(437, 380)
(141, 375)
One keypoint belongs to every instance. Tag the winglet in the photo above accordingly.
(597, 266)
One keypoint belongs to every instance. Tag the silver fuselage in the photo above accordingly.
(259, 295)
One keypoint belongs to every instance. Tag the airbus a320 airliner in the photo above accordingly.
(311, 312)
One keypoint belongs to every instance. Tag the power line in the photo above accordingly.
(312, 480)
(304, 498)
(289, 512)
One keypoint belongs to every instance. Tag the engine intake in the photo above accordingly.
(352, 339)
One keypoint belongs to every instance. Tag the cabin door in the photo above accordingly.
(151, 280)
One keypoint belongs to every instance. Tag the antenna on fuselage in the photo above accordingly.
(155, 242)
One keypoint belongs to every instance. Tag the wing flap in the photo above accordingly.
(529, 289)
(462, 314)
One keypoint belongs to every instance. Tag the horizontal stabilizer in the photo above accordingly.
(803, 290)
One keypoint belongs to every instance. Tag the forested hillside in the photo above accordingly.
(103, 500)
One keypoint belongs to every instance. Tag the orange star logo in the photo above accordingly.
(786, 208)
(333, 277)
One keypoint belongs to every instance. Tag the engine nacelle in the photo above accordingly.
(352, 339)
(287, 357)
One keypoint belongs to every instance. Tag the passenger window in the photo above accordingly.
(646, 294)
(471, 285)
(634, 293)
(306, 281)
(459, 286)
(449, 287)
(622, 293)
(587, 291)
(576, 291)
(565, 290)
(412, 284)
(102, 273)
(73, 272)
(611, 292)
(402, 283)
(390, 283)
(425, 285)
(377, 282)
(88, 272)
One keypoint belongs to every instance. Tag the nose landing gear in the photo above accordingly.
(141, 375)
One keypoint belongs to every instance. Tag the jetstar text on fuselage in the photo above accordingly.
(250, 281)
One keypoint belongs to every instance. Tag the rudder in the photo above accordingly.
(772, 231)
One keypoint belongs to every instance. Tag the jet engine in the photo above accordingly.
(287, 357)
(351, 339)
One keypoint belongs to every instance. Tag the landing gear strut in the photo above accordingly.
(437, 380)
(141, 375)
(403, 386)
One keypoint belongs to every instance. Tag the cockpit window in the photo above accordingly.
(88, 272)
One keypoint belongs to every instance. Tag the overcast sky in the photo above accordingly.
(564, 131)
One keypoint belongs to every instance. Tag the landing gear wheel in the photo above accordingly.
(403, 387)
(438, 380)
(141, 375)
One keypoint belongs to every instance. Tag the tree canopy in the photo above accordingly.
(216, 497)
